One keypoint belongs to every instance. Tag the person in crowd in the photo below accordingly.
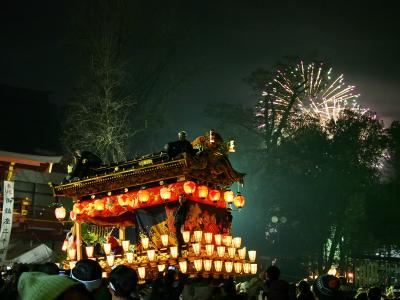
(182, 145)
(327, 287)
(168, 286)
(361, 296)
(304, 291)
(199, 289)
(256, 285)
(48, 268)
(274, 288)
(179, 221)
(10, 290)
(40, 286)
(374, 293)
(89, 273)
(123, 283)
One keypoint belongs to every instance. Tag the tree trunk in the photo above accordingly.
(335, 242)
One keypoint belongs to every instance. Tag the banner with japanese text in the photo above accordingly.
(6, 218)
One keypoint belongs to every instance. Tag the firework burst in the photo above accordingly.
(307, 89)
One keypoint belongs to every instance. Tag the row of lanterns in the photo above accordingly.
(227, 253)
(189, 188)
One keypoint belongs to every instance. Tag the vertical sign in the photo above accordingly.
(6, 218)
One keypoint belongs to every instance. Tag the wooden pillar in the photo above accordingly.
(78, 232)
(121, 234)
(78, 235)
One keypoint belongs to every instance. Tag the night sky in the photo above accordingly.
(225, 42)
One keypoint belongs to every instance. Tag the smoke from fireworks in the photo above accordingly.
(307, 89)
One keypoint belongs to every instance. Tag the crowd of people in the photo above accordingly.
(85, 281)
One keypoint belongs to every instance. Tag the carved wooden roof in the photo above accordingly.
(146, 171)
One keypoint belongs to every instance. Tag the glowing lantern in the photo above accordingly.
(197, 234)
(110, 260)
(208, 237)
(221, 251)
(246, 268)
(89, 251)
(65, 245)
(145, 242)
(227, 240)
(60, 213)
(129, 257)
(186, 236)
(123, 200)
(203, 192)
(218, 239)
(196, 248)
(189, 187)
(253, 269)
(142, 272)
(238, 267)
(99, 204)
(228, 196)
(161, 268)
(252, 255)
(212, 136)
(236, 242)
(125, 245)
(231, 146)
(77, 208)
(231, 252)
(165, 193)
(242, 253)
(174, 251)
(207, 264)
(144, 196)
(239, 201)
(198, 264)
(209, 249)
(71, 253)
(218, 265)
(107, 248)
(183, 266)
(228, 266)
(214, 195)
(164, 240)
(151, 254)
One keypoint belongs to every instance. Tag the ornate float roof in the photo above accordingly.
(211, 167)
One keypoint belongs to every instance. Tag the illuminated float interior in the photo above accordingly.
(147, 196)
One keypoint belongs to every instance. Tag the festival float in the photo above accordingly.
(174, 205)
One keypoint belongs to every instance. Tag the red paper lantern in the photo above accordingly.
(123, 200)
(239, 201)
(99, 204)
(60, 213)
(72, 215)
(77, 208)
(165, 193)
(189, 187)
(228, 196)
(214, 195)
(144, 196)
(203, 191)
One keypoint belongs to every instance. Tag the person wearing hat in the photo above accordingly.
(41, 286)
(182, 145)
(89, 273)
(123, 283)
(326, 287)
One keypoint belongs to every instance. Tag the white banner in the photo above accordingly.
(6, 218)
